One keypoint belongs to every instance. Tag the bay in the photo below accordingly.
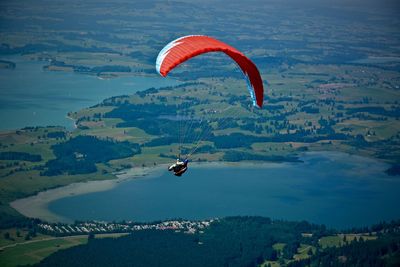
(331, 188)
(31, 96)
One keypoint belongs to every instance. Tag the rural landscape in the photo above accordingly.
(331, 75)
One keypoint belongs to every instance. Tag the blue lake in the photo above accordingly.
(335, 189)
(31, 96)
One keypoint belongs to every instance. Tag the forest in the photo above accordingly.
(234, 241)
(78, 155)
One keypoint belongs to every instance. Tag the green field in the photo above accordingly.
(32, 252)
(21, 252)
(338, 240)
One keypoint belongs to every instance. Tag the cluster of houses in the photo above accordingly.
(96, 227)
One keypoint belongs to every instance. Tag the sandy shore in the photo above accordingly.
(37, 206)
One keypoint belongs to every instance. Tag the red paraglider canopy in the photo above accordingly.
(190, 46)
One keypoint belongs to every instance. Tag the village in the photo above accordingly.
(98, 227)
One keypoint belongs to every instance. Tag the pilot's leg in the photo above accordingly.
(170, 168)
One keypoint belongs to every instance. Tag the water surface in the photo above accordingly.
(335, 189)
(31, 96)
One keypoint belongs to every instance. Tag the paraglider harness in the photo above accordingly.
(179, 167)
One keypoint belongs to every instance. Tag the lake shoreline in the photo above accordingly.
(37, 206)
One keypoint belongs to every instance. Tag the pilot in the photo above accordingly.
(180, 167)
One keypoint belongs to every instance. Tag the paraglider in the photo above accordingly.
(187, 47)
(180, 167)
